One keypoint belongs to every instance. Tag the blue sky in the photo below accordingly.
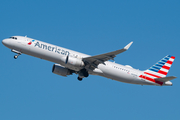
(29, 90)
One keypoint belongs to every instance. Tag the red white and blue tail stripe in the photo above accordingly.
(159, 70)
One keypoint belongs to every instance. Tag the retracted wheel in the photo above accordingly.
(80, 79)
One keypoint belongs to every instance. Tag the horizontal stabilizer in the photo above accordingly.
(164, 79)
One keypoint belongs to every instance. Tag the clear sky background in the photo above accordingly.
(30, 91)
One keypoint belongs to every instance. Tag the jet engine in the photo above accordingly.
(60, 70)
(74, 61)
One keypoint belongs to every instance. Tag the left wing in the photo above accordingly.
(98, 59)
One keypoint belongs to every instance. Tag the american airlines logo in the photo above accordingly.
(51, 48)
(31, 42)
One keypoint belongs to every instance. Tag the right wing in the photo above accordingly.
(100, 59)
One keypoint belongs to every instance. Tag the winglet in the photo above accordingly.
(127, 46)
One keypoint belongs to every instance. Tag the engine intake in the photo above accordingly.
(60, 70)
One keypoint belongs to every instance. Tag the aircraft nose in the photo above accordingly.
(5, 42)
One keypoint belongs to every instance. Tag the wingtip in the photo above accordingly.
(127, 46)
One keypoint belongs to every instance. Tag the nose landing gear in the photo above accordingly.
(16, 56)
(18, 53)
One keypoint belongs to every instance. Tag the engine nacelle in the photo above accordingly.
(74, 61)
(60, 70)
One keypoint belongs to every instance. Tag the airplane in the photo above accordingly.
(68, 62)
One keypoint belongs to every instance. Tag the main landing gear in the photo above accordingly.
(18, 53)
(82, 73)
(80, 79)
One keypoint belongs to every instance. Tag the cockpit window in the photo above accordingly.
(14, 38)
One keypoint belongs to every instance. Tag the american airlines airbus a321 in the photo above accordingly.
(69, 62)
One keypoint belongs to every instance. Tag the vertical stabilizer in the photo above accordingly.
(161, 68)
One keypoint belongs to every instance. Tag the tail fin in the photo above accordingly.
(161, 68)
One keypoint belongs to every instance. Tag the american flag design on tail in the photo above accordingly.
(159, 70)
